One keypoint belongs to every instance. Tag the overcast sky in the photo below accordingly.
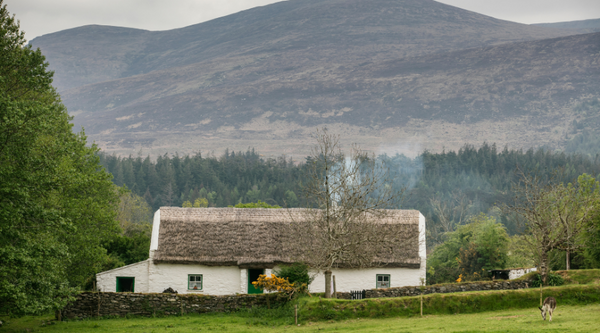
(39, 17)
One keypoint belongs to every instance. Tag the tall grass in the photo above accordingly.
(438, 304)
(580, 276)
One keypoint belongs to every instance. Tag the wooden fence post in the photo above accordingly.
(334, 289)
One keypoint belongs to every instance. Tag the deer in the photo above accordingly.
(548, 307)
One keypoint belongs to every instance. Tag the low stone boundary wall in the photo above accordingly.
(442, 289)
(99, 304)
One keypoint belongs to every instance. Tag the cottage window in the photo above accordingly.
(383, 281)
(195, 282)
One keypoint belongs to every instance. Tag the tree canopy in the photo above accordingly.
(470, 251)
(555, 214)
(56, 203)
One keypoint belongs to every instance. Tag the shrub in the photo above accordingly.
(295, 273)
(553, 280)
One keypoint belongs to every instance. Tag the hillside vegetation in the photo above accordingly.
(392, 75)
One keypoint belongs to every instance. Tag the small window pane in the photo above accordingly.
(195, 282)
(383, 281)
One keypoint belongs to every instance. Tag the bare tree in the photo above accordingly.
(347, 196)
(450, 212)
(554, 214)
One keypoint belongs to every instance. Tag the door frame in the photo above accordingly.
(125, 277)
(251, 288)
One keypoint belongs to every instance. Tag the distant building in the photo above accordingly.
(511, 273)
(221, 251)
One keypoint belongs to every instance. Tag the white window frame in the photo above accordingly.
(191, 284)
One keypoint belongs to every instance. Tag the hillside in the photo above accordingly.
(379, 72)
(583, 26)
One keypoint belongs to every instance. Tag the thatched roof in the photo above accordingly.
(261, 237)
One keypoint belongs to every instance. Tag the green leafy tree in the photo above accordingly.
(591, 242)
(471, 250)
(201, 202)
(291, 200)
(258, 204)
(296, 273)
(57, 205)
(555, 214)
(519, 253)
(131, 245)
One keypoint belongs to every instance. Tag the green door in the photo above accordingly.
(125, 284)
(253, 276)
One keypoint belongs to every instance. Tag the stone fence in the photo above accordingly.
(90, 304)
(99, 304)
(442, 289)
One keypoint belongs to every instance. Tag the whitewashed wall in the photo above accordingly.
(107, 281)
(229, 280)
(517, 273)
(155, 231)
(243, 281)
(355, 279)
(217, 280)
(151, 278)
(422, 252)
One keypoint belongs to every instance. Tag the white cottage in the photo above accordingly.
(220, 251)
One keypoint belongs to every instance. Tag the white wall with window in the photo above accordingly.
(155, 278)
(190, 278)
(107, 281)
(358, 279)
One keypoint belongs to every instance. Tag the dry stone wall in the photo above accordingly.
(442, 289)
(89, 304)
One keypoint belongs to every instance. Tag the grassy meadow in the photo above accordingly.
(566, 319)
(578, 310)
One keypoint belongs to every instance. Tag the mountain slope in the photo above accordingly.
(392, 75)
(327, 31)
(583, 26)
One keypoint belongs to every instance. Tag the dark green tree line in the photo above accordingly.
(228, 180)
(446, 187)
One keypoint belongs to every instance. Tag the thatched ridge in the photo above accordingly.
(260, 237)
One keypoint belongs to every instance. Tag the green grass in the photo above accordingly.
(440, 304)
(580, 276)
(501, 310)
(567, 318)
(574, 276)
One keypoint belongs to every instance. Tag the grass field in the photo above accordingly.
(485, 311)
(566, 319)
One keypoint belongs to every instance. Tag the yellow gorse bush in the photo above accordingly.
(273, 283)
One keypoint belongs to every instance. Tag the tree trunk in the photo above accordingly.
(328, 283)
(568, 259)
(544, 266)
